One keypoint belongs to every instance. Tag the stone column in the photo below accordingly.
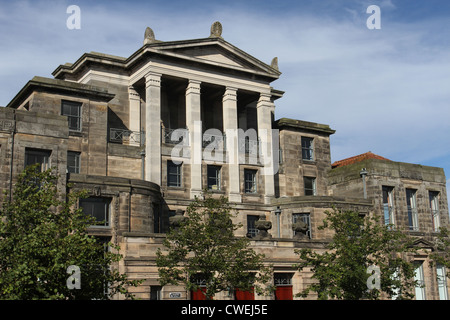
(153, 128)
(134, 101)
(194, 124)
(230, 126)
(265, 109)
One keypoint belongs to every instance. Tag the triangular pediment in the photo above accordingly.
(215, 52)
(207, 52)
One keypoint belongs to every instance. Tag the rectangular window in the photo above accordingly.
(388, 205)
(442, 282)
(73, 162)
(419, 277)
(72, 110)
(307, 148)
(304, 217)
(213, 177)
(413, 219)
(310, 186)
(434, 205)
(251, 226)
(97, 208)
(250, 180)
(42, 157)
(283, 285)
(173, 174)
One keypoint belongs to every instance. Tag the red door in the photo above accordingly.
(199, 294)
(283, 293)
(244, 295)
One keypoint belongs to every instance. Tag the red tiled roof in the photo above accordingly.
(355, 159)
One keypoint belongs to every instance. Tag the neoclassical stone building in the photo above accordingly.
(147, 133)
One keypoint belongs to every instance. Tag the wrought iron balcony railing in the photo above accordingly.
(176, 136)
(126, 136)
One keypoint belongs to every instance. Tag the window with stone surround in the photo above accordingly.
(307, 148)
(419, 277)
(251, 225)
(250, 180)
(388, 205)
(283, 286)
(413, 216)
(72, 110)
(442, 281)
(173, 174)
(434, 206)
(304, 217)
(73, 162)
(214, 177)
(34, 156)
(97, 207)
(310, 186)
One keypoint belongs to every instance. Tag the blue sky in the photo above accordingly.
(386, 90)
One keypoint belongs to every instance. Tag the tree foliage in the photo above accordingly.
(205, 247)
(441, 254)
(41, 235)
(359, 242)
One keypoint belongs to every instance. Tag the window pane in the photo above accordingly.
(33, 156)
(305, 217)
(213, 177)
(413, 219)
(307, 148)
(388, 206)
(73, 162)
(310, 186)
(97, 208)
(442, 282)
(73, 112)
(173, 174)
(250, 181)
(418, 276)
(434, 205)
(251, 227)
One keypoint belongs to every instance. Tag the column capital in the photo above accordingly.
(230, 94)
(265, 101)
(153, 79)
(132, 93)
(193, 87)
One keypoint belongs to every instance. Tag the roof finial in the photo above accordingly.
(149, 36)
(274, 63)
(216, 30)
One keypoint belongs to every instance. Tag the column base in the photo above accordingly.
(197, 193)
(268, 199)
(234, 197)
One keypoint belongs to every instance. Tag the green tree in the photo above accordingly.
(441, 254)
(42, 235)
(204, 246)
(363, 259)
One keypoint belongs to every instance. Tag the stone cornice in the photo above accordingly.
(60, 86)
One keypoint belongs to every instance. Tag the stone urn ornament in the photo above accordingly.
(263, 225)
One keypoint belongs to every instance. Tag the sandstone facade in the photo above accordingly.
(149, 132)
